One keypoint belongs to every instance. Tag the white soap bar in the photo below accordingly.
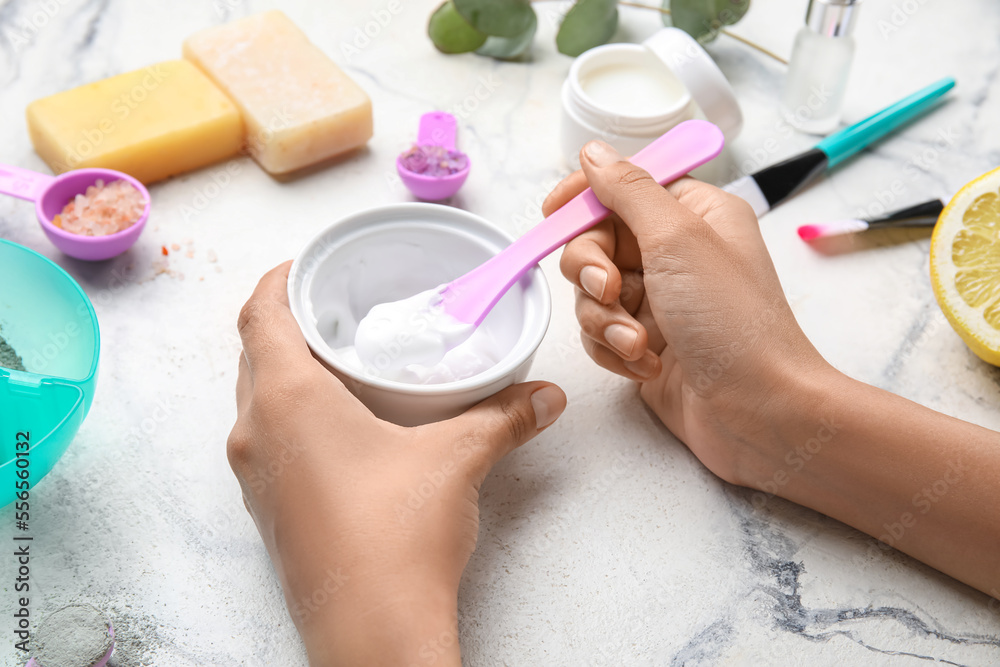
(299, 108)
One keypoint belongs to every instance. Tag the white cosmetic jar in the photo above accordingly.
(630, 94)
(393, 252)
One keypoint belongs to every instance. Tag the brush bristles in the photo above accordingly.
(835, 228)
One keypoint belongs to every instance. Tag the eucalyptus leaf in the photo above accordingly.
(497, 18)
(588, 23)
(703, 19)
(450, 32)
(510, 48)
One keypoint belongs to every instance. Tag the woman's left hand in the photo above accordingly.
(369, 525)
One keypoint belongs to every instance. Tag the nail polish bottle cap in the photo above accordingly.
(832, 18)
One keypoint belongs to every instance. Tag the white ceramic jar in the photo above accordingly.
(630, 94)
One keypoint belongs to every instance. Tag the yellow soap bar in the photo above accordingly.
(298, 106)
(152, 123)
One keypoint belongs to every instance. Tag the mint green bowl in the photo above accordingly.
(49, 321)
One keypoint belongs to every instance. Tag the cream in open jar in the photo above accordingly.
(630, 94)
(414, 340)
(417, 346)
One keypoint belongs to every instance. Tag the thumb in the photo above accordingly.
(664, 228)
(492, 429)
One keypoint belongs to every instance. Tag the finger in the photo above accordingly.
(612, 326)
(272, 340)
(729, 215)
(633, 292)
(568, 188)
(644, 316)
(665, 228)
(244, 387)
(502, 423)
(587, 263)
(699, 197)
(644, 369)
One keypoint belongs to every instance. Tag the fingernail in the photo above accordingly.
(547, 403)
(594, 279)
(600, 154)
(621, 337)
(643, 367)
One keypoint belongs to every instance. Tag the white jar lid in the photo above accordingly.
(702, 77)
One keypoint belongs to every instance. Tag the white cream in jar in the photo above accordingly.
(386, 267)
(386, 253)
(414, 340)
(630, 94)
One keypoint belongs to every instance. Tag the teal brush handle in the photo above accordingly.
(845, 143)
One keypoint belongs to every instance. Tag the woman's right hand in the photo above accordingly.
(677, 292)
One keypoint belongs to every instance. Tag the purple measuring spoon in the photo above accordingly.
(52, 193)
(437, 128)
(471, 297)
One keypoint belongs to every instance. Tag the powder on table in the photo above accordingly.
(104, 209)
(433, 161)
(73, 636)
(9, 358)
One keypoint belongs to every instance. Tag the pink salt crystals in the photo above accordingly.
(433, 161)
(103, 209)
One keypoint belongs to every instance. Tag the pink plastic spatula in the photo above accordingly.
(471, 297)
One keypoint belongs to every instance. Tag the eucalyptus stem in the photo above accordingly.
(744, 40)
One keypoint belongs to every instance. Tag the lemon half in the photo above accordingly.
(965, 265)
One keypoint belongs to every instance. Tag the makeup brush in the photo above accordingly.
(772, 185)
(921, 215)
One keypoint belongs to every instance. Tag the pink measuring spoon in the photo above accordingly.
(471, 297)
(52, 193)
(437, 128)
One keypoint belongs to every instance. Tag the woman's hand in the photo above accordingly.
(369, 525)
(677, 291)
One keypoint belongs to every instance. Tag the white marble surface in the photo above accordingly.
(603, 543)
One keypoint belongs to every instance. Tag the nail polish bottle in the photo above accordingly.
(820, 64)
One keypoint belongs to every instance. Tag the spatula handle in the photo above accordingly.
(23, 183)
(681, 149)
